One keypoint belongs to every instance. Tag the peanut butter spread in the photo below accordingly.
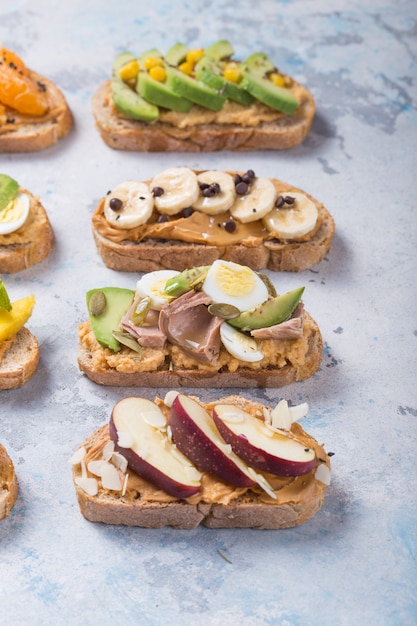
(11, 120)
(288, 490)
(198, 227)
(277, 354)
(32, 229)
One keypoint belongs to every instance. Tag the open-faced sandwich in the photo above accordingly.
(33, 111)
(19, 348)
(184, 217)
(201, 100)
(221, 325)
(9, 486)
(233, 463)
(26, 234)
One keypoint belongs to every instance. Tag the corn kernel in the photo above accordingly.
(194, 55)
(232, 73)
(187, 68)
(129, 71)
(151, 62)
(277, 79)
(158, 73)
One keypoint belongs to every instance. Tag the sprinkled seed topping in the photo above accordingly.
(115, 204)
(157, 191)
(97, 303)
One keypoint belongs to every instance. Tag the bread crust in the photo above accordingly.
(123, 134)
(9, 486)
(38, 134)
(245, 511)
(244, 378)
(31, 244)
(149, 254)
(21, 360)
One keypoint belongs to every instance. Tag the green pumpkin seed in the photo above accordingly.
(269, 285)
(141, 310)
(97, 303)
(225, 311)
(127, 340)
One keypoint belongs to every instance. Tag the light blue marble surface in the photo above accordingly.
(355, 562)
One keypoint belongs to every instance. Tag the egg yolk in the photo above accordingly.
(235, 283)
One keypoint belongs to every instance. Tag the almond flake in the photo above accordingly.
(108, 450)
(89, 485)
(110, 478)
(78, 456)
(119, 461)
(170, 397)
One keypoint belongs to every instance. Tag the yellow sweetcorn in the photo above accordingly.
(232, 72)
(277, 79)
(12, 321)
(187, 68)
(158, 73)
(129, 71)
(194, 55)
(151, 62)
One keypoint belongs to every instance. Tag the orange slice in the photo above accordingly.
(17, 89)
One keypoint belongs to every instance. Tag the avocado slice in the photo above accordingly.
(209, 71)
(194, 90)
(221, 49)
(255, 80)
(106, 307)
(8, 190)
(269, 313)
(126, 100)
(176, 54)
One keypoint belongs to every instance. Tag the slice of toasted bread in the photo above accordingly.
(30, 134)
(131, 251)
(9, 486)
(298, 498)
(20, 361)
(99, 371)
(121, 133)
(31, 243)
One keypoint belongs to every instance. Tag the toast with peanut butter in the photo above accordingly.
(26, 234)
(193, 470)
(9, 486)
(34, 113)
(216, 326)
(19, 348)
(182, 218)
(201, 100)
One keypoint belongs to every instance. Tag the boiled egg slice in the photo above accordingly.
(230, 283)
(15, 214)
(239, 345)
(153, 285)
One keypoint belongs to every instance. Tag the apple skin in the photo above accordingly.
(257, 457)
(147, 471)
(199, 448)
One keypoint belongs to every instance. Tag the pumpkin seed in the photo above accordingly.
(127, 340)
(141, 310)
(97, 303)
(271, 288)
(225, 311)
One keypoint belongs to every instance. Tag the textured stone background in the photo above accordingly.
(355, 562)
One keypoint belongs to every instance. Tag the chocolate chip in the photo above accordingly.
(187, 212)
(280, 202)
(241, 188)
(248, 176)
(157, 191)
(237, 178)
(162, 218)
(229, 226)
(289, 200)
(115, 204)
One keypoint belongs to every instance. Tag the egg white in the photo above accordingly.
(239, 345)
(153, 284)
(230, 283)
(15, 214)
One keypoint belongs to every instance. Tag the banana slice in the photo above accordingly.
(292, 221)
(175, 189)
(128, 205)
(15, 214)
(217, 192)
(257, 203)
(239, 345)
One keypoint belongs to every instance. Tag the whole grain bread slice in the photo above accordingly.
(248, 510)
(20, 361)
(31, 243)
(9, 486)
(40, 133)
(121, 133)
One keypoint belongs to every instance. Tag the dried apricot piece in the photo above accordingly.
(17, 89)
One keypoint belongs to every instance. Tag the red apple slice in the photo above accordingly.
(260, 446)
(138, 428)
(196, 435)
